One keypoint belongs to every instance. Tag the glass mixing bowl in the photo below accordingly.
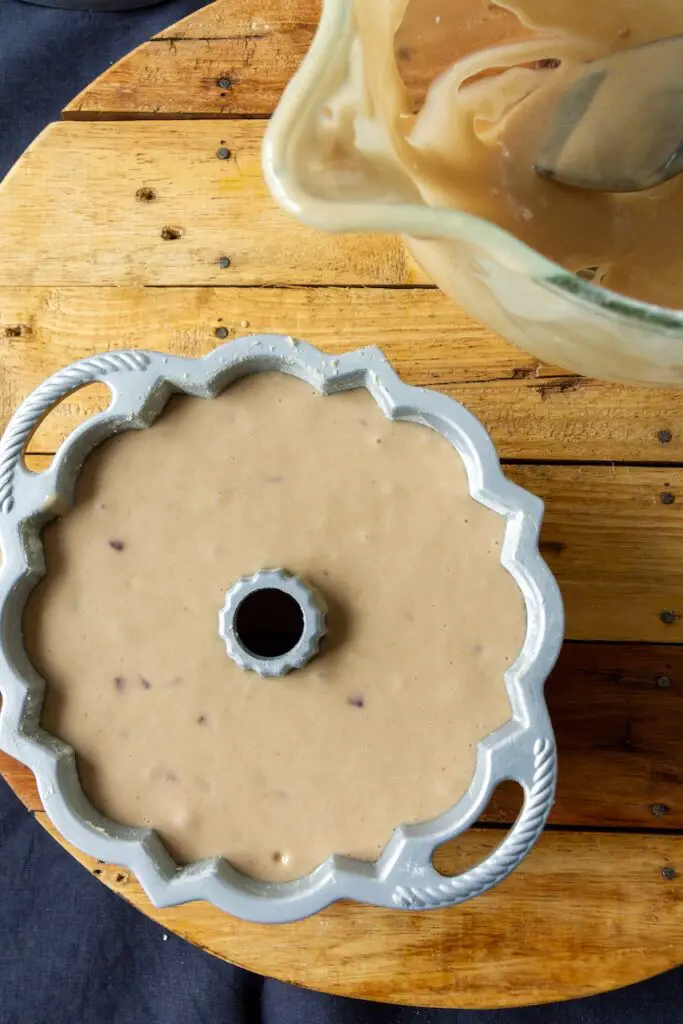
(535, 303)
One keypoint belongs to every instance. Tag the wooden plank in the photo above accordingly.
(615, 547)
(573, 418)
(91, 226)
(596, 914)
(257, 47)
(245, 19)
(189, 79)
(616, 712)
(532, 410)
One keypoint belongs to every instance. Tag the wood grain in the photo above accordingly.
(616, 549)
(92, 227)
(533, 410)
(183, 71)
(245, 19)
(597, 901)
(178, 79)
(617, 715)
(236, 63)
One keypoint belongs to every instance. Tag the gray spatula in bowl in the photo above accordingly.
(619, 123)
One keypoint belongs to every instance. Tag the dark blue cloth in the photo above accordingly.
(70, 951)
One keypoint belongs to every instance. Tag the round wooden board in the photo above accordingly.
(85, 264)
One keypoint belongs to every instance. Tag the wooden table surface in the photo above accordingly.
(115, 225)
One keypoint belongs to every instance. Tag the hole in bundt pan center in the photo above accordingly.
(269, 623)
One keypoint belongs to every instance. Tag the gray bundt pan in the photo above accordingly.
(403, 876)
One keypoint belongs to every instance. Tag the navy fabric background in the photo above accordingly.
(70, 951)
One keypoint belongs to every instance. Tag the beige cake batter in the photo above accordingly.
(378, 730)
(472, 143)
